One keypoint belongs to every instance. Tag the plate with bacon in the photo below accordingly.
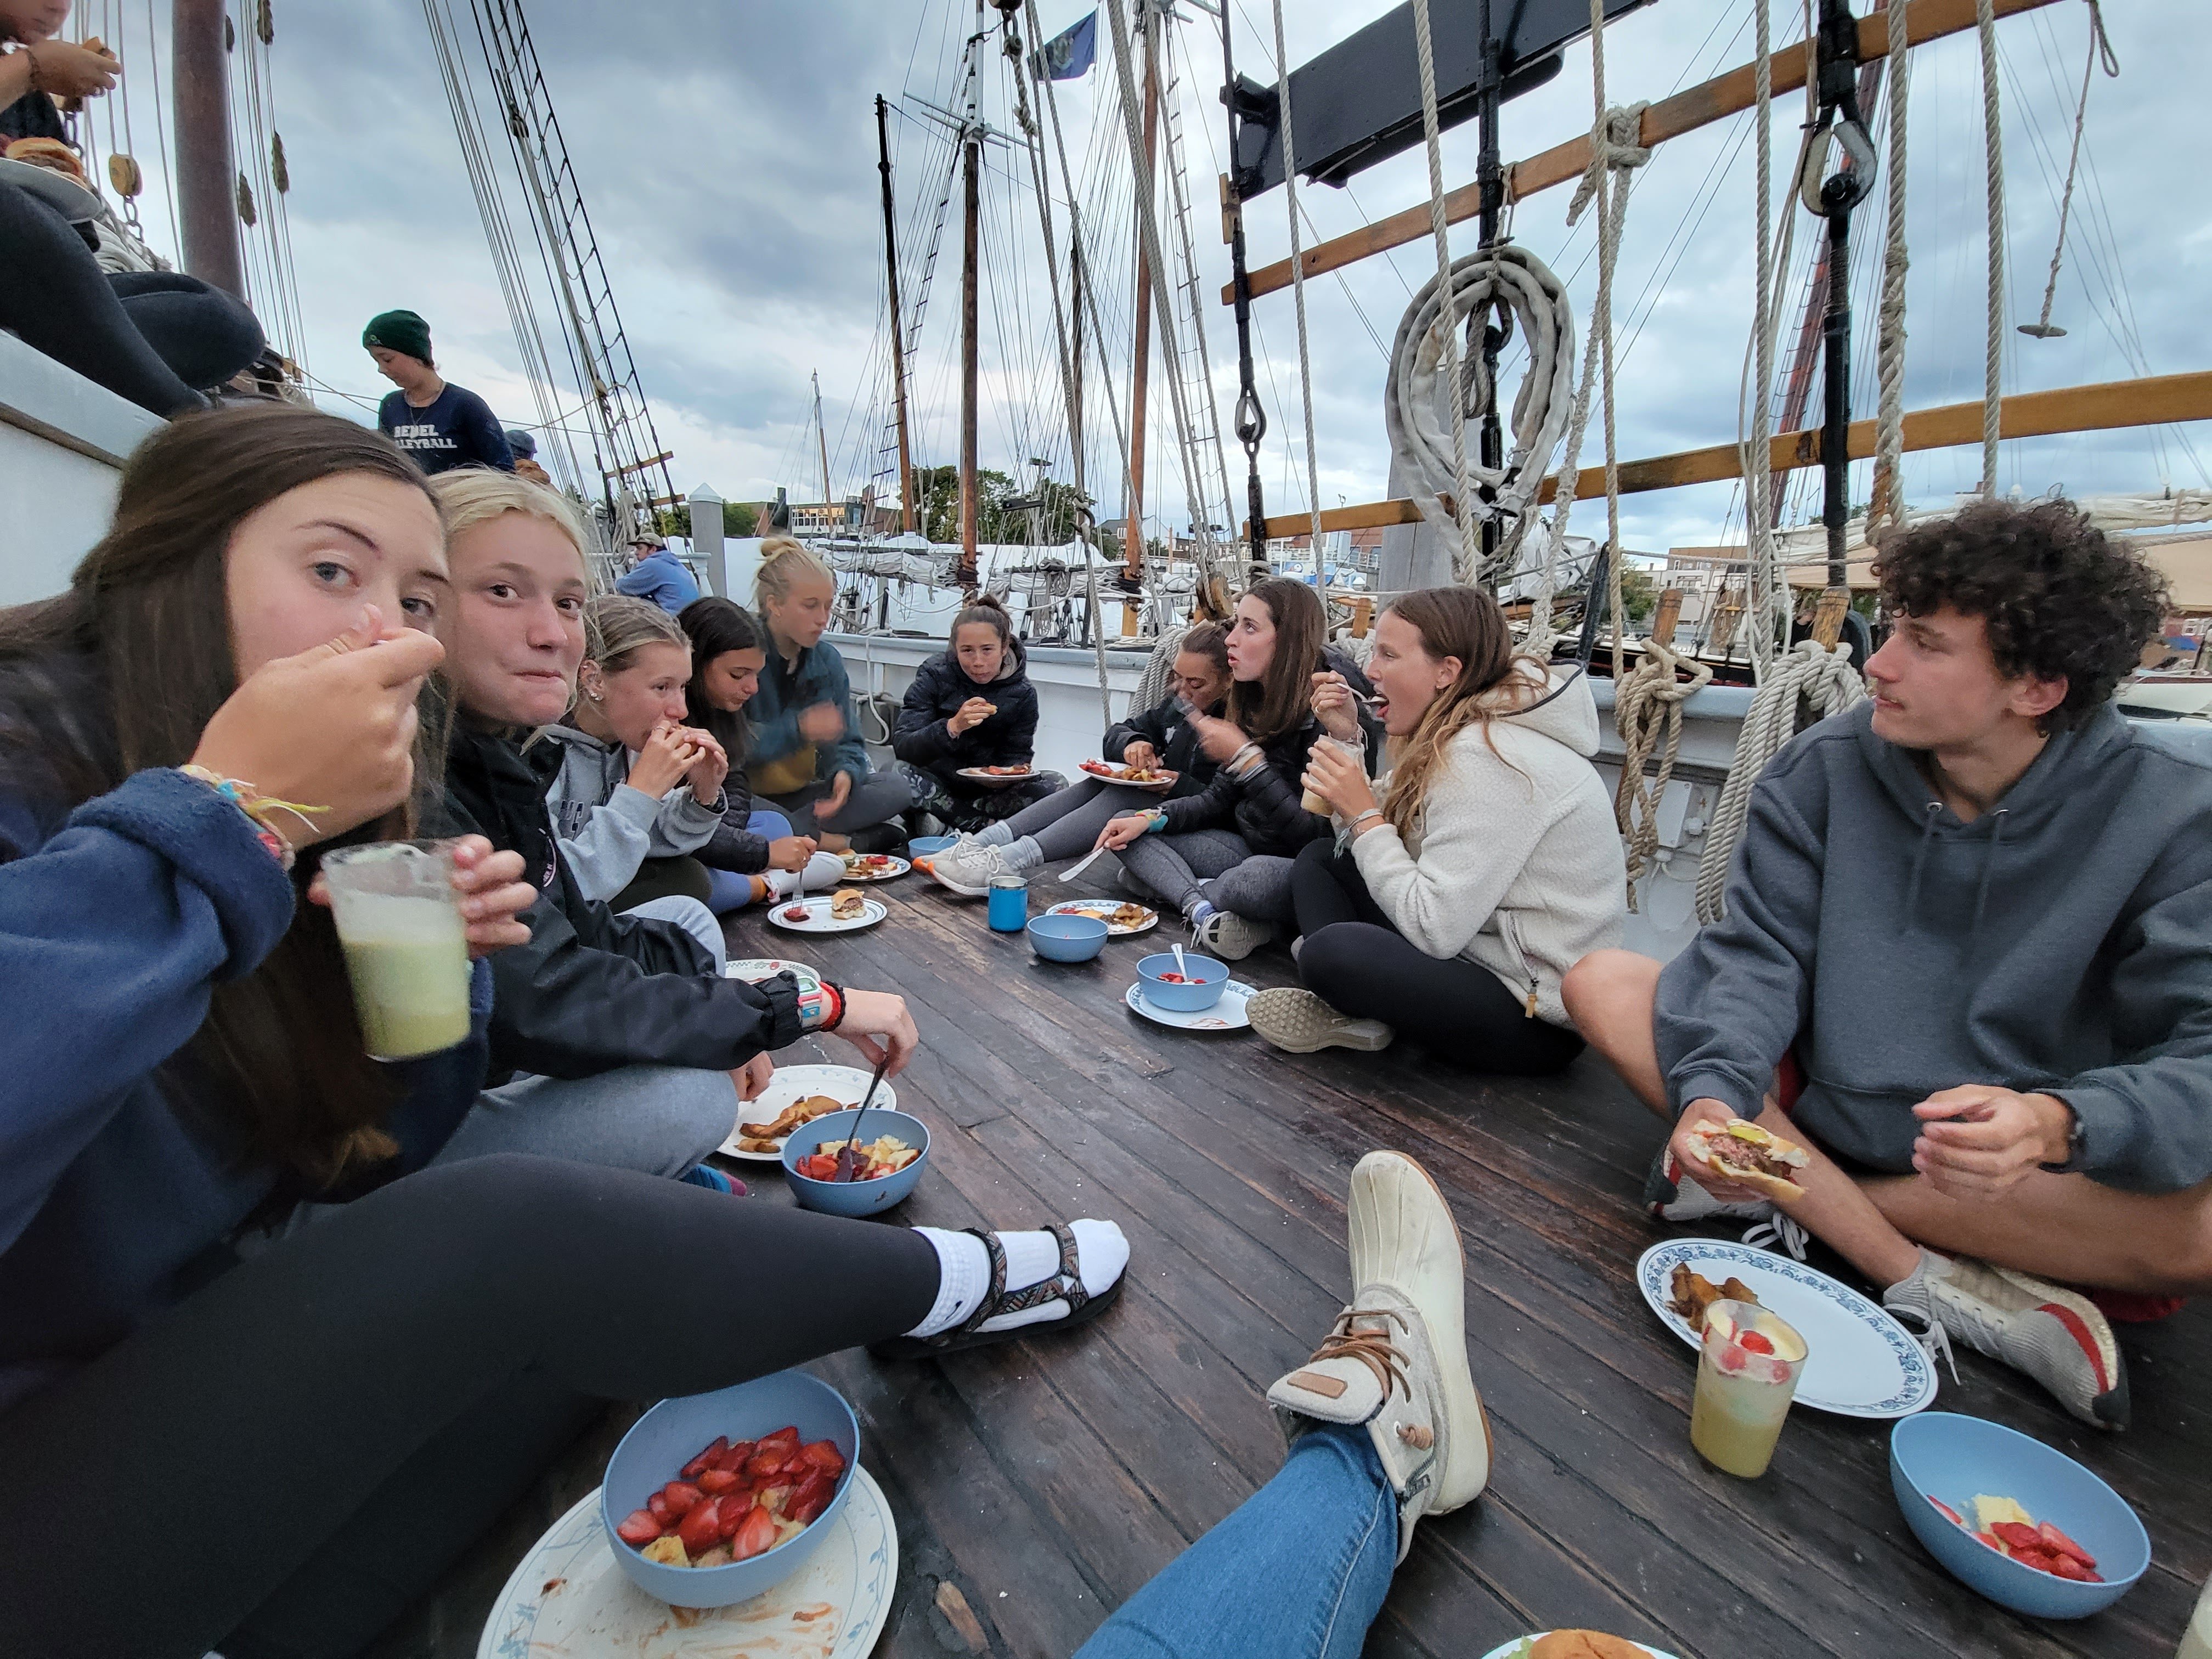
(1153, 780)
(1122, 918)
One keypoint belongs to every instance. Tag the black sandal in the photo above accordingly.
(1065, 1285)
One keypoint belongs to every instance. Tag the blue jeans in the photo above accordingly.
(727, 890)
(1298, 1571)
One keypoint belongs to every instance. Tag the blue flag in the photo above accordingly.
(1069, 54)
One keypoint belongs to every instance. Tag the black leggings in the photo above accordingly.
(285, 1461)
(1356, 962)
(151, 335)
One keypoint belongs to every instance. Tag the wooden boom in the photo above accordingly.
(1686, 111)
(2102, 407)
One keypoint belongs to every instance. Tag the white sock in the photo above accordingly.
(995, 835)
(782, 883)
(1023, 855)
(822, 870)
(965, 1268)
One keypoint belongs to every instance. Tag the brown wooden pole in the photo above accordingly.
(973, 145)
(2104, 406)
(207, 177)
(899, 335)
(1686, 111)
(1133, 557)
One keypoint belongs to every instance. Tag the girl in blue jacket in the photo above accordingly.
(236, 677)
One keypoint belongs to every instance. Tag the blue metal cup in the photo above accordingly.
(1009, 904)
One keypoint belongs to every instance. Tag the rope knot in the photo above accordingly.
(1615, 145)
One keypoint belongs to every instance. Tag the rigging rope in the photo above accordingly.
(1993, 149)
(1468, 564)
(1616, 150)
(2100, 45)
(1647, 707)
(1888, 505)
(1808, 680)
(1298, 293)
(1763, 598)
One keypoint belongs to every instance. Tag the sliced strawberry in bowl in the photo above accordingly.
(755, 1535)
(701, 1529)
(715, 1482)
(638, 1529)
(706, 1458)
(2059, 1543)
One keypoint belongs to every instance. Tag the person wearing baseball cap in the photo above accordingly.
(526, 457)
(442, 425)
(657, 574)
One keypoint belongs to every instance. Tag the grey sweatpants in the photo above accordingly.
(1217, 865)
(1066, 823)
(695, 919)
(660, 1120)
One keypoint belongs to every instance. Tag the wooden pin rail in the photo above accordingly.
(1686, 111)
(2105, 406)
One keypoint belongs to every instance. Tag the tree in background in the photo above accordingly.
(1639, 594)
(739, 519)
(938, 489)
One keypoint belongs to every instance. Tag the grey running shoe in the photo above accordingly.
(1231, 937)
(2055, 1336)
(1298, 1022)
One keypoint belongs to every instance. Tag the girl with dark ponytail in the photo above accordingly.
(968, 709)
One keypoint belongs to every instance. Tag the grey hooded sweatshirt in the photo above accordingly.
(2061, 944)
(608, 829)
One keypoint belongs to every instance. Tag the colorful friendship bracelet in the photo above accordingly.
(259, 810)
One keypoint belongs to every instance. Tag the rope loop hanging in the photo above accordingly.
(1807, 683)
(1453, 493)
(1888, 507)
(1647, 707)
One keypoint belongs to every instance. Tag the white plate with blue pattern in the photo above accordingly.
(1859, 1361)
(1519, 1646)
(567, 1596)
(1226, 1015)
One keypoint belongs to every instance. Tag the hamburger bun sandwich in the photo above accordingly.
(1740, 1151)
(1584, 1645)
(846, 904)
(51, 154)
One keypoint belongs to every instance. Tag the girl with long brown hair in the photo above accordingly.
(1223, 856)
(237, 676)
(1487, 868)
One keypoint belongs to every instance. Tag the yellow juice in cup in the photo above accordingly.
(1746, 1377)
(406, 947)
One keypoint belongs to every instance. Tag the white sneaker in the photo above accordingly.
(1226, 934)
(1298, 1022)
(1396, 1361)
(968, 865)
(2057, 1336)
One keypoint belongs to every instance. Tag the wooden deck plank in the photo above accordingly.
(1064, 1471)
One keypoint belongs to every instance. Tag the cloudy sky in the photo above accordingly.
(726, 151)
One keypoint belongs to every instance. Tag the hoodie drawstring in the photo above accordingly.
(1920, 863)
(1989, 863)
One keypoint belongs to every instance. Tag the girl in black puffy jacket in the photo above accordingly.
(968, 709)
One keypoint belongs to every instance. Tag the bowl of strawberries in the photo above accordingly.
(712, 1498)
(2018, 1521)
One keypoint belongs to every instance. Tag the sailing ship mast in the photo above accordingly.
(899, 335)
(207, 201)
(822, 446)
(1132, 558)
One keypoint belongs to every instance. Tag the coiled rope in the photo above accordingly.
(1647, 707)
(1451, 491)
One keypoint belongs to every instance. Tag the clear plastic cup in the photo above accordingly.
(1746, 1377)
(406, 946)
(1318, 804)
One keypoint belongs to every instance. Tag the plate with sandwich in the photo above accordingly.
(1860, 1361)
(795, 1096)
(1122, 918)
(998, 777)
(1575, 1645)
(845, 911)
(754, 969)
(874, 866)
(50, 170)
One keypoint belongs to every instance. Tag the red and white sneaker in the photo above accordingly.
(2055, 1336)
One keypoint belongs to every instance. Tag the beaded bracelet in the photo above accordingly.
(260, 810)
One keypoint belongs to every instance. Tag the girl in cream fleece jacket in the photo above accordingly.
(1448, 910)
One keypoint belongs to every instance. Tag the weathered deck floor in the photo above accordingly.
(1048, 1479)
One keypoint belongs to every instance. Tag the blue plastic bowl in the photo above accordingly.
(1068, 938)
(665, 1439)
(852, 1197)
(1211, 976)
(922, 846)
(1944, 1455)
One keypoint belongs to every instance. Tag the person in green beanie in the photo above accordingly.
(442, 426)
